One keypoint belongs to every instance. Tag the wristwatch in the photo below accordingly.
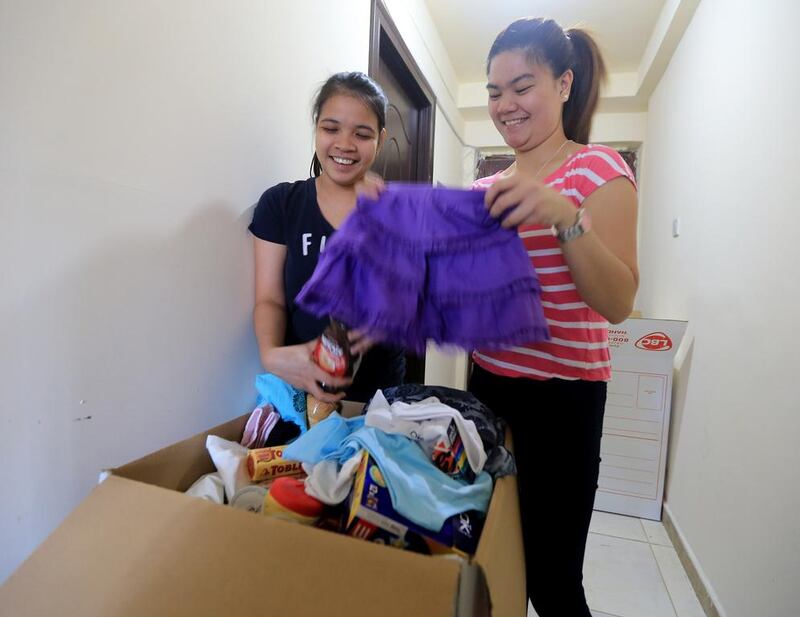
(582, 224)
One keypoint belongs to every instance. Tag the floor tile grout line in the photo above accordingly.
(651, 544)
(658, 566)
(660, 544)
(644, 531)
(664, 580)
(604, 613)
(610, 535)
(649, 541)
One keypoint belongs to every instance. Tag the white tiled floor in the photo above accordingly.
(632, 570)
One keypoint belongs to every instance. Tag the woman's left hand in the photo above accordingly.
(525, 201)
(370, 186)
(360, 343)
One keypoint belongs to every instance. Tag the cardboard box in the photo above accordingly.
(636, 424)
(138, 546)
(371, 516)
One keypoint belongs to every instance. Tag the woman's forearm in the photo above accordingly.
(269, 322)
(601, 278)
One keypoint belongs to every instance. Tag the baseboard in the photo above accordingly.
(702, 588)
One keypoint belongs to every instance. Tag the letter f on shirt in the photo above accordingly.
(307, 242)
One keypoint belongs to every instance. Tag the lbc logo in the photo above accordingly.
(655, 341)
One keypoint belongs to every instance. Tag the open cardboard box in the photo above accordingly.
(137, 546)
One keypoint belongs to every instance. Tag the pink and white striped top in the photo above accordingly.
(578, 348)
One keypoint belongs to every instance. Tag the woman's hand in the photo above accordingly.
(294, 365)
(371, 186)
(520, 200)
(359, 342)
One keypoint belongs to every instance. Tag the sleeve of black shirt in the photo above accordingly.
(269, 217)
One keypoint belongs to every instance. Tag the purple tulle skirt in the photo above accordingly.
(428, 264)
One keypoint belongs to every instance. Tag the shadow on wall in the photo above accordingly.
(147, 342)
(680, 388)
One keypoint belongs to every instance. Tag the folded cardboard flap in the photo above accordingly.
(473, 593)
(134, 549)
(177, 466)
(500, 551)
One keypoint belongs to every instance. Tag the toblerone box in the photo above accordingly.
(266, 464)
(370, 516)
(450, 456)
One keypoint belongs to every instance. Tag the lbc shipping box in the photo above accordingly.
(138, 546)
(636, 422)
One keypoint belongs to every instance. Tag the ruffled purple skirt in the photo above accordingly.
(428, 264)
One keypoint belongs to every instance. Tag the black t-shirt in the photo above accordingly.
(288, 214)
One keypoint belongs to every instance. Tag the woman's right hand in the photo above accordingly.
(370, 186)
(294, 365)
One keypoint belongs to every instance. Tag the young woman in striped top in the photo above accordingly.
(575, 209)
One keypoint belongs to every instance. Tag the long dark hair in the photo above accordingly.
(546, 42)
(355, 84)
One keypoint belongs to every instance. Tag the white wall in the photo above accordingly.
(627, 127)
(722, 135)
(135, 136)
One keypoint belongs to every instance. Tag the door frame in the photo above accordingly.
(385, 41)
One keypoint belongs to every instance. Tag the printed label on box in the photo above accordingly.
(636, 423)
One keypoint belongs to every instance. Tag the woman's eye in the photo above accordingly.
(524, 90)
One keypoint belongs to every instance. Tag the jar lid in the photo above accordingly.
(290, 493)
(249, 498)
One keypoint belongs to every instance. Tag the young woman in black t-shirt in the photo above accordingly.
(291, 224)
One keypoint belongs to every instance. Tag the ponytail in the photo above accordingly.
(589, 71)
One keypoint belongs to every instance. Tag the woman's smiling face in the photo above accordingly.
(347, 138)
(525, 99)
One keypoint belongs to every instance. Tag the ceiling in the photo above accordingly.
(622, 28)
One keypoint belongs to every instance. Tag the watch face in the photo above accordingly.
(581, 226)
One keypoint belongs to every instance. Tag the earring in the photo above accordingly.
(565, 97)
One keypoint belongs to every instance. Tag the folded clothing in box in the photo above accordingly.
(452, 441)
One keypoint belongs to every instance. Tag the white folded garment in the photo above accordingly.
(230, 459)
(209, 487)
(328, 483)
(426, 422)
